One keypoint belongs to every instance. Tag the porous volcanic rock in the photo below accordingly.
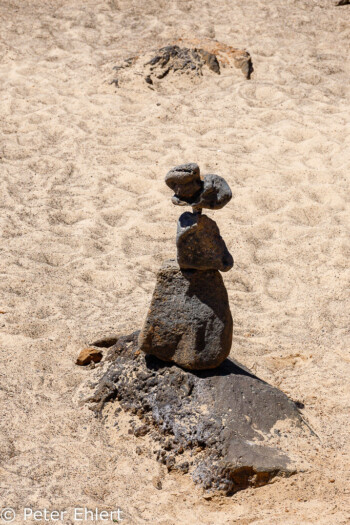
(214, 193)
(185, 181)
(200, 245)
(182, 62)
(215, 424)
(189, 320)
(178, 59)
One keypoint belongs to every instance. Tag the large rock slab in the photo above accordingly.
(219, 425)
(200, 245)
(189, 320)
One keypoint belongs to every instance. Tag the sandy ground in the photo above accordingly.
(86, 220)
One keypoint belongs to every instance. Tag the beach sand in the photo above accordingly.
(86, 221)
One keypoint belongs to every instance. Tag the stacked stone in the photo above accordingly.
(189, 320)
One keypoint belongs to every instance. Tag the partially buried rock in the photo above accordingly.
(200, 245)
(211, 60)
(89, 355)
(181, 60)
(218, 425)
(189, 320)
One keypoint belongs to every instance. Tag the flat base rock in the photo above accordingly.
(189, 320)
(222, 426)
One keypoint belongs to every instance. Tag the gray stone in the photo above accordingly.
(185, 181)
(200, 245)
(181, 60)
(218, 423)
(189, 320)
(215, 193)
(211, 60)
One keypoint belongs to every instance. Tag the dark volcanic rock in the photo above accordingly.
(214, 194)
(220, 420)
(189, 320)
(200, 245)
(184, 180)
(181, 60)
(211, 60)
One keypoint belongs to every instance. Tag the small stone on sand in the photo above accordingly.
(89, 355)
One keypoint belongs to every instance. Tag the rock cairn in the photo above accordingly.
(224, 426)
(189, 320)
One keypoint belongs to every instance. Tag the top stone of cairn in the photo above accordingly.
(211, 192)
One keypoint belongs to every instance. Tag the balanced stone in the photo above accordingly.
(185, 181)
(189, 320)
(214, 193)
(200, 245)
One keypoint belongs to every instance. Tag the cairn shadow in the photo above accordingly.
(227, 368)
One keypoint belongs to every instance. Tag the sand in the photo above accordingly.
(86, 220)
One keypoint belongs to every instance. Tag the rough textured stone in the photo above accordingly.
(218, 425)
(184, 180)
(211, 60)
(200, 245)
(89, 355)
(189, 320)
(176, 59)
(188, 58)
(214, 194)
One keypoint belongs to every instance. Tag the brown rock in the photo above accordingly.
(157, 482)
(200, 245)
(214, 193)
(184, 180)
(189, 320)
(89, 355)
